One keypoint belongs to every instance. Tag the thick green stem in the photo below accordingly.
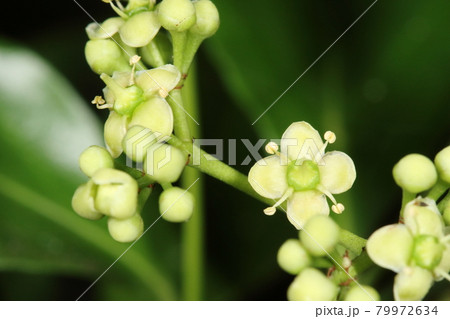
(192, 258)
(152, 55)
(406, 198)
(180, 124)
(179, 42)
(438, 190)
(208, 164)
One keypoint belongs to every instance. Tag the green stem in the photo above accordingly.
(443, 203)
(192, 44)
(351, 241)
(180, 124)
(91, 233)
(152, 55)
(193, 231)
(178, 42)
(211, 166)
(406, 198)
(438, 190)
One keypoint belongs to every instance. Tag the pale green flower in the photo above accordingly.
(418, 250)
(303, 174)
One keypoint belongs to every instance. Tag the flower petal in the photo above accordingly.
(337, 172)
(444, 265)
(154, 114)
(268, 177)
(391, 247)
(159, 80)
(412, 284)
(301, 140)
(114, 131)
(422, 217)
(301, 206)
(106, 30)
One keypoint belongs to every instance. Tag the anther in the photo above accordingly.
(271, 148)
(269, 211)
(330, 137)
(338, 208)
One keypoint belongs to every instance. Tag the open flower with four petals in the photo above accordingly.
(303, 174)
(418, 250)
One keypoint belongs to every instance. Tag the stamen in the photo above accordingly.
(330, 137)
(443, 274)
(98, 100)
(133, 61)
(100, 103)
(338, 209)
(271, 148)
(118, 10)
(271, 210)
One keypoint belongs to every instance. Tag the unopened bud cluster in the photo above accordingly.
(318, 241)
(416, 173)
(141, 55)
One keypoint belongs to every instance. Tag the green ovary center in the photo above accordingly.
(304, 176)
(427, 251)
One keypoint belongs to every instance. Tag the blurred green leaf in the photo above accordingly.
(44, 126)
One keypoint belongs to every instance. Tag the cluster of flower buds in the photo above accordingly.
(318, 240)
(416, 173)
(141, 55)
(169, 31)
(109, 192)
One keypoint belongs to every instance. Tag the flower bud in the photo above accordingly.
(83, 201)
(207, 19)
(415, 173)
(176, 15)
(320, 235)
(137, 141)
(116, 193)
(176, 205)
(159, 81)
(164, 163)
(312, 285)
(105, 56)
(114, 131)
(154, 114)
(126, 99)
(94, 158)
(362, 293)
(391, 247)
(126, 230)
(442, 161)
(104, 31)
(140, 29)
(292, 257)
(422, 217)
(412, 284)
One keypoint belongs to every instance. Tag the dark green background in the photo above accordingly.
(383, 88)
